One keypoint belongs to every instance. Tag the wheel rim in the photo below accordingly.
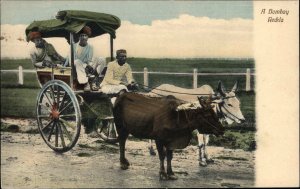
(58, 116)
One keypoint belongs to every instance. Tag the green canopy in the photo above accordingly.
(72, 21)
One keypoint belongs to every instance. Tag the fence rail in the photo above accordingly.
(20, 71)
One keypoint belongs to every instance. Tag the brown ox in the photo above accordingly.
(158, 119)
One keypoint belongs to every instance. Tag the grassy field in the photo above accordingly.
(20, 101)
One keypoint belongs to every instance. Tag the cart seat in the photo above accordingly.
(44, 74)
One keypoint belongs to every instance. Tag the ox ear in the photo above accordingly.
(235, 87)
(221, 89)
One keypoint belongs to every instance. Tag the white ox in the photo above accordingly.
(227, 107)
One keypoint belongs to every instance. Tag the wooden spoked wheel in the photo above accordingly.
(58, 116)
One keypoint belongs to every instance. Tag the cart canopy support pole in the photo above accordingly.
(72, 61)
(111, 48)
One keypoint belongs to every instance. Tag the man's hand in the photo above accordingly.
(59, 66)
(133, 86)
(62, 61)
(47, 63)
(89, 69)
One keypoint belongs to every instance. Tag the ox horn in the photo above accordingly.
(205, 102)
(214, 97)
(221, 89)
(235, 87)
(202, 102)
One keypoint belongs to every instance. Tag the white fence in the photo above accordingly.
(146, 73)
(195, 75)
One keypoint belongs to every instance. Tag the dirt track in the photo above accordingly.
(27, 162)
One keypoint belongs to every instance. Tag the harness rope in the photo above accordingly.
(189, 102)
(230, 113)
(203, 118)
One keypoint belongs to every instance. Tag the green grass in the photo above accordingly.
(9, 64)
(187, 65)
(18, 102)
(235, 140)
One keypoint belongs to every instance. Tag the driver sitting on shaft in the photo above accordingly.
(118, 70)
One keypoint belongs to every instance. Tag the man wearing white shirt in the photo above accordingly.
(118, 76)
(85, 66)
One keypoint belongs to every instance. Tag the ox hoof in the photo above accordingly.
(152, 152)
(210, 160)
(163, 175)
(124, 166)
(202, 163)
(172, 177)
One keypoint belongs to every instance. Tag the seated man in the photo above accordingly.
(117, 71)
(86, 69)
(113, 83)
(43, 54)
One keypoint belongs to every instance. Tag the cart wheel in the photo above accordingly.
(58, 116)
(106, 129)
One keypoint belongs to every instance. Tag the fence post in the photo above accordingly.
(21, 79)
(146, 76)
(248, 79)
(195, 78)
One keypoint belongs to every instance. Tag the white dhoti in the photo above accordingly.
(80, 70)
(113, 89)
(99, 64)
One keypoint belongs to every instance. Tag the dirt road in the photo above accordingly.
(27, 162)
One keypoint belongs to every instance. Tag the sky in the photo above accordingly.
(179, 29)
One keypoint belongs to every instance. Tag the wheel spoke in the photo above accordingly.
(51, 131)
(65, 107)
(115, 129)
(47, 125)
(68, 115)
(58, 96)
(48, 98)
(66, 131)
(101, 129)
(52, 93)
(109, 130)
(67, 124)
(62, 101)
(61, 135)
(103, 126)
(43, 116)
(45, 107)
(56, 135)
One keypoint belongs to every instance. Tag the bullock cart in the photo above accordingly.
(62, 105)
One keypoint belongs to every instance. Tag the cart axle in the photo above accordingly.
(54, 115)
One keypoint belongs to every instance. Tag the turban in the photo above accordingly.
(33, 35)
(87, 30)
(121, 51)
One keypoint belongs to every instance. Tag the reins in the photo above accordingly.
(229, 113)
